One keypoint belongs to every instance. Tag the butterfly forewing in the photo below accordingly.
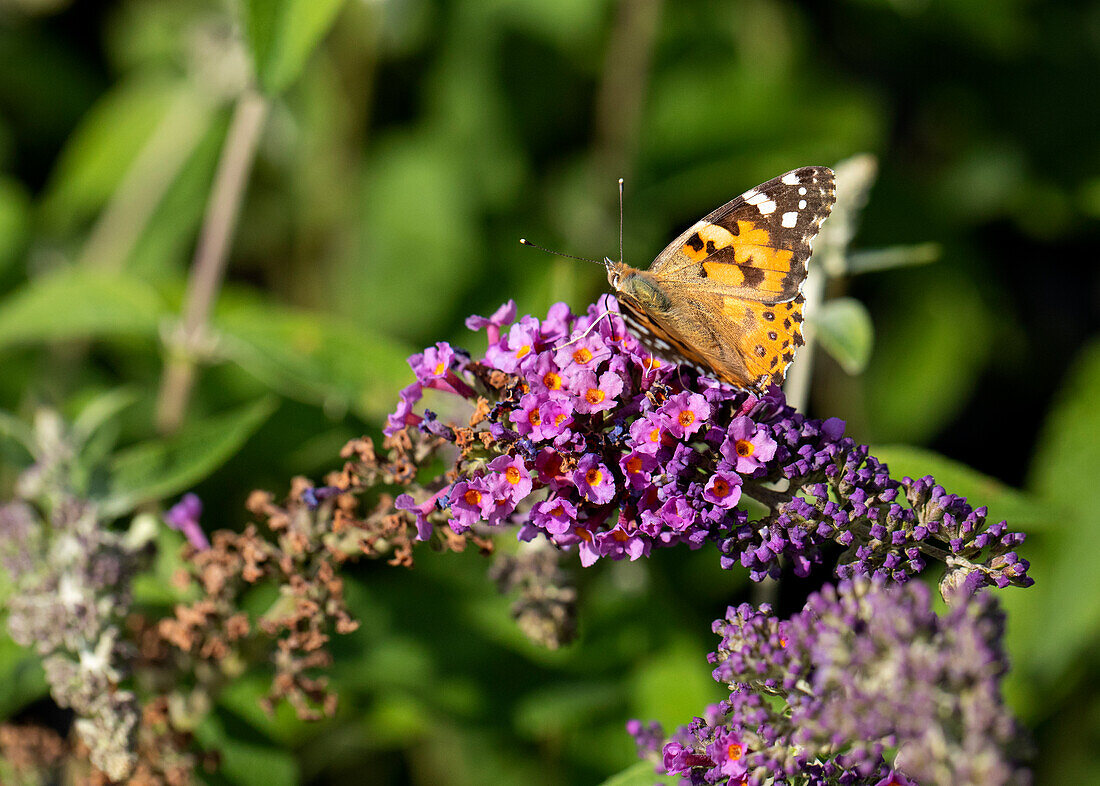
(755, 246)
(733, 282)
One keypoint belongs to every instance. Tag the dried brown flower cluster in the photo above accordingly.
(384, 530)
(181, 662)
(29, 754)
(295, 556)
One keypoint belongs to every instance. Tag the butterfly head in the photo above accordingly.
(615, 271)
(638, 286)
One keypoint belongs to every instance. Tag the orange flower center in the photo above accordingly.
(558, 512)
(472, 497)
(735, 752)
(440, 367)
(655, 435)
(582, 355)
(634, 464)
(594, 396)
(593, 477)
(687, 417)
(523, 351)
(721, 488)
(745, 448)
(559, 418)
(583, 533)
(534, 418)
(512, 475)
(552, 381)
(620, 536)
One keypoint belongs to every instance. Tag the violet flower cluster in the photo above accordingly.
(576, 433)
(867, 685)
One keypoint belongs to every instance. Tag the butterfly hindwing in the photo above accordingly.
(755, 246)
(769, 336)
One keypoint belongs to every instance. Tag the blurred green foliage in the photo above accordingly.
(408, 144)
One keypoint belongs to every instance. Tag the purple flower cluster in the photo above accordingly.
(580, 435)
(866, 671)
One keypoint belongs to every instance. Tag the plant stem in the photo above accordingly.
(208, 268)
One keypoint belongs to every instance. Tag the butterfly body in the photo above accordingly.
(725, 296)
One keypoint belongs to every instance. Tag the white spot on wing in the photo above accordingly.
(790, 179)
(790, 219)
(802, 204)
(766, 208)
(749, 195)
(802, 191)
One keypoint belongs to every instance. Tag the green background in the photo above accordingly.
(407, 145)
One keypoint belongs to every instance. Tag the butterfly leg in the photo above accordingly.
(587, 330)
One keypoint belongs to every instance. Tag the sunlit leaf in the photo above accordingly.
(1064, 469)
(15, 429)
(844, 329)
(551, 712)
(80, 304)
(312, 357)
(640, 774)
(246, 757)
(283, 33)
(1022, 511)
(101, 409)
(14, 220)
(161, 467)
(21, 677)
(101, 149)
(932, 340)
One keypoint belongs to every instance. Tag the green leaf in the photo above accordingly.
(101, 149)
(1064, 471)
(282, 34)
(640, 774)
(925, 364)
(80, 304)
(154, 585)
(21, 677)
(161, 467)
(313, 358)
(101, 409)
(672, 684)
(1022, 511)
(554, 711)
(844, 329)
(246, 756)
(15, 429)
(1067, 458)
(14, 220)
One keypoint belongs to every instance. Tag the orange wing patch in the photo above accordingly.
(750, 261)
(770, 335)
(707, 240)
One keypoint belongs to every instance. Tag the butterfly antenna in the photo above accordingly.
(620, 220)
(525, 242)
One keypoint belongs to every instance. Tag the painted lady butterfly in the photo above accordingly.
(725, 297)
